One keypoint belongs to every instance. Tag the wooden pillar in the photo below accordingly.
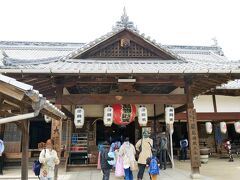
(2, 130)
(56, 130)
(25, 143)
(192, 131)
(217, 147)
(155, 125)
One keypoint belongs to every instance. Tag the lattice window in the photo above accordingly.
(116, 51)
(12, 133)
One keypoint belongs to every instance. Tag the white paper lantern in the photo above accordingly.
(209, 127)
(108, 116)
(237, 127)
(169, 115)
(47, 119)
(79, 117)
(223, 127)
(142, 116)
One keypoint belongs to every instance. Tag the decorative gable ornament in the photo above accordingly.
(142, 116)
(108, 116)
(123, 114)
(169, 115)
(124, 23)
(223, 127)
(79, 117)
(47, 119)
(237, 127)
(125, 43)
(209, 127)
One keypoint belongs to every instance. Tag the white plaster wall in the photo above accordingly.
(159, 109)
(228, 103)
(204, 104)
(177, 91)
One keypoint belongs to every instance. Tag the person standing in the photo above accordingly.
(1, 156)
(127, 152)
(163, 147)
(144, 147)
(48, 157)
(183, 148)
(104, 158)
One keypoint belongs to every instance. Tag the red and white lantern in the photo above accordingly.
(124, 114)
(237, 127)
(223, 127)
(209, 127)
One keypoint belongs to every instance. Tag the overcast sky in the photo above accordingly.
(177, 22)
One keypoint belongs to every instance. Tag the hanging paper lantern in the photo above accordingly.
(142, 116)
(108, 116)
(209, 127)
(237, 127)
(123, 114)
(169, 115)
(79, 117)
(223, 127)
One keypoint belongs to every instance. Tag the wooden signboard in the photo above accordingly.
(193, 138)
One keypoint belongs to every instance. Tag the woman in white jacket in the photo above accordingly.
(127, 151)
(48, 157)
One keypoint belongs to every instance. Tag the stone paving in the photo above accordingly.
(216, 169)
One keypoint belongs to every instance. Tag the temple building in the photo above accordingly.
(127, 68)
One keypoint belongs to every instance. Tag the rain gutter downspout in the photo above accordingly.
(37, 106)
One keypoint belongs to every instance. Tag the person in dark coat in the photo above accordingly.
(104, 158)
(163, 151)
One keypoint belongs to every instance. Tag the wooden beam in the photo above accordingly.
(10, 91)
(76, 99)
(212, 116)
(67, 112)
(8, 107)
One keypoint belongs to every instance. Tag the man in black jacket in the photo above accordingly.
(104, 158)
(163, 150)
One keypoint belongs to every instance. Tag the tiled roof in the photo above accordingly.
(37, 50)
(73, 66)
(43, 57)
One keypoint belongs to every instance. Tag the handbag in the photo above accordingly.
(119, 171)
(134, 166)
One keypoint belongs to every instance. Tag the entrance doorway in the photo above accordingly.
(115, 132)
(40, 131)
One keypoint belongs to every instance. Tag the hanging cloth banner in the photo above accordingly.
(124, 114)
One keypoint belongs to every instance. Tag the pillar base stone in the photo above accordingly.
(195, 176)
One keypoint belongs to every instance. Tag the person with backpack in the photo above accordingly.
(183, 148)
(104, 158)
(153, 165)
(48, 159)
(163, 147)
(127, 152)
(144, 147)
